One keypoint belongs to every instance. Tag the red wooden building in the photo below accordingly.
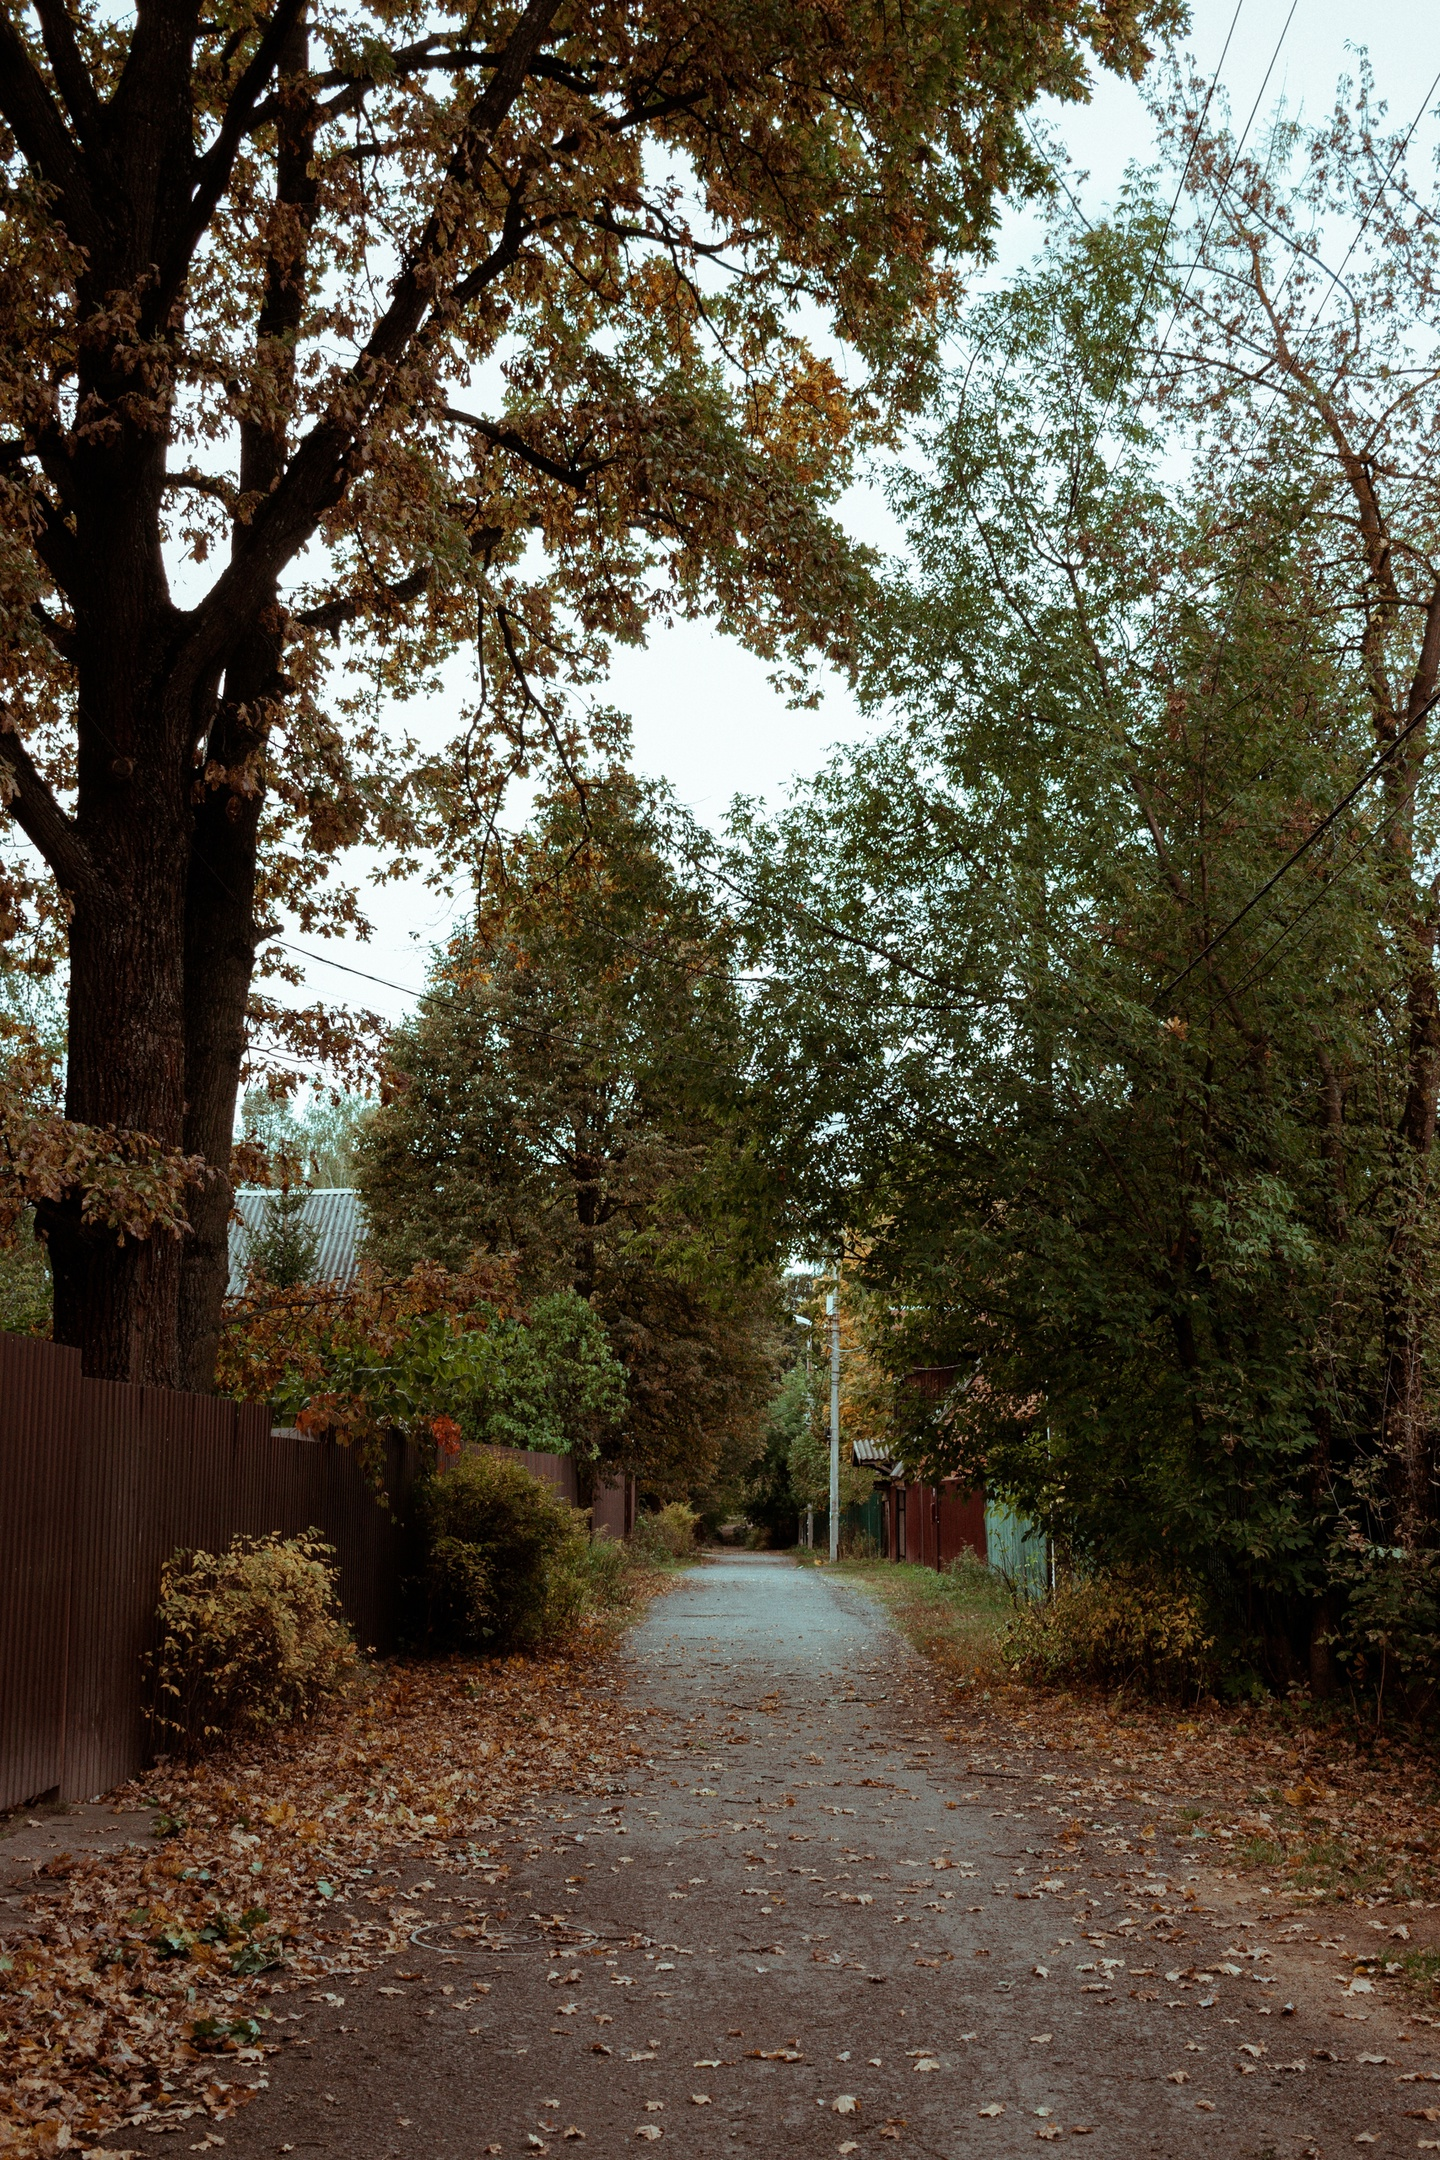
(926, 1524)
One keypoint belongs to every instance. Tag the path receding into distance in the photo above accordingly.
(817, 1926)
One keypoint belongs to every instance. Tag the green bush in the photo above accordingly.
(974, 1575)
(1388, 1637)
(503, 1561)
(858, 1544)
(1123, 1627)
(589, 1575)
(251, 1637)
(668, 1534)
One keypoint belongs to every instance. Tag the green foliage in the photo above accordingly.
(502, 1561)
(548, 1381)
(249, 1638)
(26, 1291)
(571, 1094)
(1389, 1636)
(1168, 1213)
(318, 1144)
(667, 1533)
(771, 1502)
(1124, 1627)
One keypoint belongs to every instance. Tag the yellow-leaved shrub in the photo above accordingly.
(1121, 1627)
(249, 1638)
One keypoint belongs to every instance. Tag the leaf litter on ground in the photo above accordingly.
(142, 1993)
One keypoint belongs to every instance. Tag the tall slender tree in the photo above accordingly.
(1102, 980)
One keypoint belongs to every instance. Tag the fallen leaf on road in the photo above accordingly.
(1049, 2130)
(1178, 2077)
(844, 2104)
(1041, 2039)
(1372, 2058)
(649, 2130)
(1207, 2105)
(1368, 2137)
(927, 2062)
(700, 2099)
(996, 2107)
(572, 2132)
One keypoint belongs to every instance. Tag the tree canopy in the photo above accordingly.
(1102, 1014)
(572, 1095)
(334, 339)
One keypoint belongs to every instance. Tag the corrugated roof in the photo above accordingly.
(332, 1212)
(874, 1455)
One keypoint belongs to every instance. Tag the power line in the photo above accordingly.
(1220, 191)
(1158, 257)
(1304, 848)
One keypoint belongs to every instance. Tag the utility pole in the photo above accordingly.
(832, 1307)
(809, 1325)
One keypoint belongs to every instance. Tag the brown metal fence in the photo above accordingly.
(99, 1484)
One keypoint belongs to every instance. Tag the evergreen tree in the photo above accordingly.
(283, 1251)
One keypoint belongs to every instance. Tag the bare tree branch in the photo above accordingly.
(212, 171)
(332, 615)
(573, 476)
(43, 137)
(71, 75)
(40, 817)
(319, 471)
(428, 53)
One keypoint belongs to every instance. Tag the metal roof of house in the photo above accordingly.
(875, 1455)
(332, 1212)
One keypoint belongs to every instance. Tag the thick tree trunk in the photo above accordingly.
(219, 960)
(1408, 1428)
(115, 1297)
(220, 895)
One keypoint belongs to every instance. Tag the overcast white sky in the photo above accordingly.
(705, 717)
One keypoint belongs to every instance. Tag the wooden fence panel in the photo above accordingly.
(99, 1484)
(38, 1395)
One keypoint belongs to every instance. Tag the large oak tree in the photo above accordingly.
(344, 333)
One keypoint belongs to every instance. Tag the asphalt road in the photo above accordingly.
(818, 1925)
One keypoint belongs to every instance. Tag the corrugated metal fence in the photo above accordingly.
(99, 1484)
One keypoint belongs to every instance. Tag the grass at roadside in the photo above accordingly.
(956, 1617)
